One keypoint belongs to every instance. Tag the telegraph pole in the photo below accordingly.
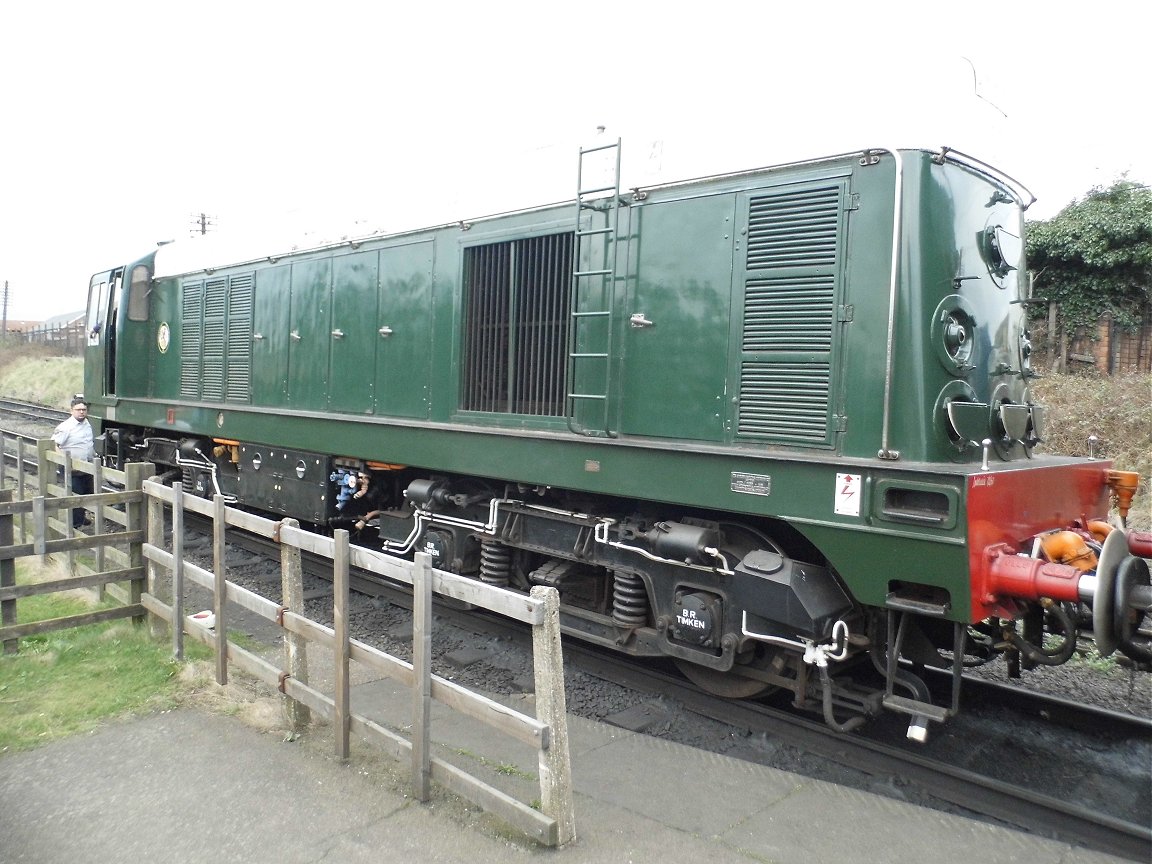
(4, 315)
(201, 222)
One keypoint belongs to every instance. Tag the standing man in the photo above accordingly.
(74, 437)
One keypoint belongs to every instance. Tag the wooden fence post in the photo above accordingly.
(21, 470)
(422, 677)
(155, 538)
(134, 475)
(295, 645)
(7, 577)
(340, 603)
(178, 571)
(66, 514)
(551, 708)
(134, 588)
(220, 587)
(39, 517)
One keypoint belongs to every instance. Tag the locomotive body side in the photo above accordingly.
(770, 417)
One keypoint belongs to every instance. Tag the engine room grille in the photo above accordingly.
(791, 277)
(516, 327)
(216, 338)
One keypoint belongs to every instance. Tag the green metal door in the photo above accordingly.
(270, 336)
(353, 336)
(404, 331)
(677, 320)
(309, 335)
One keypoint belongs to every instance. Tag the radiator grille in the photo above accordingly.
(791, 279)
(516, 332)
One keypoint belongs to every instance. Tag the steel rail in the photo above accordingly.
(32, 411)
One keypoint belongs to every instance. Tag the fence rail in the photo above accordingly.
(135, 518)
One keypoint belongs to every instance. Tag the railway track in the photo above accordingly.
(1016, 757)
(31, 412)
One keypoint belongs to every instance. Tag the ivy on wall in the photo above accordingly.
(1095, 256)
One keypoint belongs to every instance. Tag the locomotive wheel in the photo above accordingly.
(1132, 573)
(726, 685)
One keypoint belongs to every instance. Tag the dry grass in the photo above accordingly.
(32, 373)
(1117, 410)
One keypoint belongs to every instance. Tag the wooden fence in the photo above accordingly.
(145, 564)
(1106, 347)
(45, 527)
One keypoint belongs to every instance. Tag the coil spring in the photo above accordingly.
(188, 480)
(495, 563)
(630, 605)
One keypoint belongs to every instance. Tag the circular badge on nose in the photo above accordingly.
(163, 338)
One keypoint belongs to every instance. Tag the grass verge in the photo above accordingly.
(72, 680)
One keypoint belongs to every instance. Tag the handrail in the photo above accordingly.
(897, 223)
(981, 165)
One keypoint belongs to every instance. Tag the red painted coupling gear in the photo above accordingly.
(1013, 575)
(1140, 543)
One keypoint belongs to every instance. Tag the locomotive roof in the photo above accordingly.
(219, 250)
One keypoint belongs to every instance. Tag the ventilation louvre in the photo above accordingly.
(216, 338)
(791, 281)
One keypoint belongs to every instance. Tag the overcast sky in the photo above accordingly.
(120, 121)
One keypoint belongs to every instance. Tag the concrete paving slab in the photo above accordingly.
(821, 822)
(691, 790)
(189, 786)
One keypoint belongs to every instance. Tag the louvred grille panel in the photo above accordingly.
(790, 293)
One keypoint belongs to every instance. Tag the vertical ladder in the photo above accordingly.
(591, 318)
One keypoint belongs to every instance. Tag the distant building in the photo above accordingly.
(64, 332)
(21, 327)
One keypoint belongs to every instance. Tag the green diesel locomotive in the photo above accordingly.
(774, 424)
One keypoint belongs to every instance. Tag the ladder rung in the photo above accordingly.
(598, 148)
(583, 192)
(579, 273)
(597, 314)
(592, 231)
(599, 396)
(587, 356)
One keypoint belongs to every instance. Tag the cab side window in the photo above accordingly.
(139, 293)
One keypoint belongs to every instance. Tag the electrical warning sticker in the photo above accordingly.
(848, 494)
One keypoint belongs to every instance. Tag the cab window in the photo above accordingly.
(97, 302)
(139, 293)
